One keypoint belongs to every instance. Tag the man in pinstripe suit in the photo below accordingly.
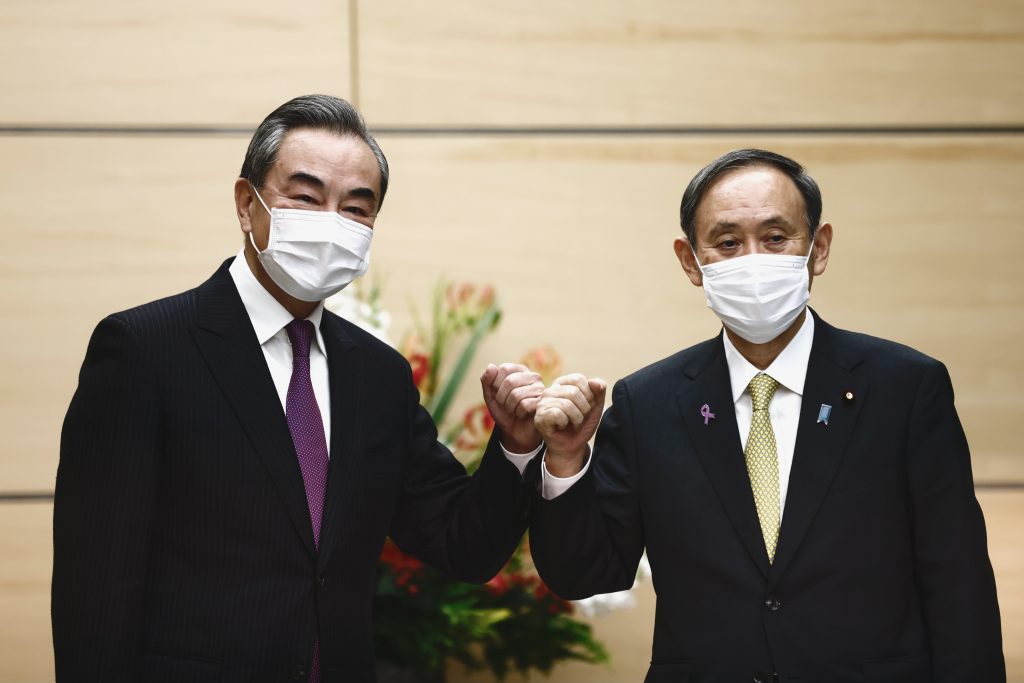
(235, 455)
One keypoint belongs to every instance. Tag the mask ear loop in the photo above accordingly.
(807, 257)
(251, 240)
(696, 260)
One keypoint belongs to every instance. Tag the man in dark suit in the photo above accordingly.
(804, 494)
(235, 455)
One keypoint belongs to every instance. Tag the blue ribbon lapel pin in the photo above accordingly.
(824, 413)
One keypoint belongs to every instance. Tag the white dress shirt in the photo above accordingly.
(789, 369)
(269, 319)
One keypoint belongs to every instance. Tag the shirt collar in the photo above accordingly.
(789, 368)
(267, 314)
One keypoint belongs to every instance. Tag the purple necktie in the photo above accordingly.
(307, 428)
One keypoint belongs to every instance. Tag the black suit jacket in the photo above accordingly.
(183, 549)
(881, 571)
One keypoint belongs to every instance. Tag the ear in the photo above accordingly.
(688, 261)
(244, 198)
(821, 249)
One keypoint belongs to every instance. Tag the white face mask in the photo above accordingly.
(312, 255)
(757, 296)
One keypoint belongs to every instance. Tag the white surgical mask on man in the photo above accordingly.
(757, 296)
(312, 255)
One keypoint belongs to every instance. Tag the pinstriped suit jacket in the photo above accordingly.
(183, 549)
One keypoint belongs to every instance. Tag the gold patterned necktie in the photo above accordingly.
(762, 460)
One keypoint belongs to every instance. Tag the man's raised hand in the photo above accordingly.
(567, 417)
(511, 393)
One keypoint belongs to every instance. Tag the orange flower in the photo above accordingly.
(468, 301)
(457, 294)
(485, 297)
(545, 361)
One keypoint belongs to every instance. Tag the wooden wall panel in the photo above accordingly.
(575, 233)
(91, 226)
(25, 565)
(1004, 511)
(657, 62)
(26, 648)
(191, 62)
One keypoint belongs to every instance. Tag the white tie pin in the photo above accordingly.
(824, 413)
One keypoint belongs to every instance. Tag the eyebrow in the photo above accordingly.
(778, 219)
(722, 226)
(363, 193)
(303, 176)
(306, 177)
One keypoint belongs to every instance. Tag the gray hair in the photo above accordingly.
(741, 158)
(320, 112)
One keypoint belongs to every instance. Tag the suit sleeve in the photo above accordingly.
(952, 567)
(103, 508)
(589, 539)
(467, 527)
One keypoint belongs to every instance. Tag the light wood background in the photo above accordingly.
(541, 148)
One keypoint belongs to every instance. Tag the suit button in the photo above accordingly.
(299, 673)
(772, 604)
(322, 581)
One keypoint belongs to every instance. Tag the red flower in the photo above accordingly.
(498, 585)
(404, 568)
(555, 604)
(477, 425)
(420, 363)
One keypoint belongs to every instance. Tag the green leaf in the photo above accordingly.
(439, 340)
(438, 406)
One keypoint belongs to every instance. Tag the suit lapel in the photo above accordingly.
(819, 447)
(717, 444)
(345, 365)
(226, 339)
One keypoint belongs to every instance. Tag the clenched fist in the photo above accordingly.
(567, 417)
(511, 392)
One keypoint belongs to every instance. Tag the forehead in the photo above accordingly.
(334, 158)
(750, 193)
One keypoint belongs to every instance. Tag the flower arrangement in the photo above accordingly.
(421, 618)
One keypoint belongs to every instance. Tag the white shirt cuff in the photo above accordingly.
(521, 460)
(552, 487)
